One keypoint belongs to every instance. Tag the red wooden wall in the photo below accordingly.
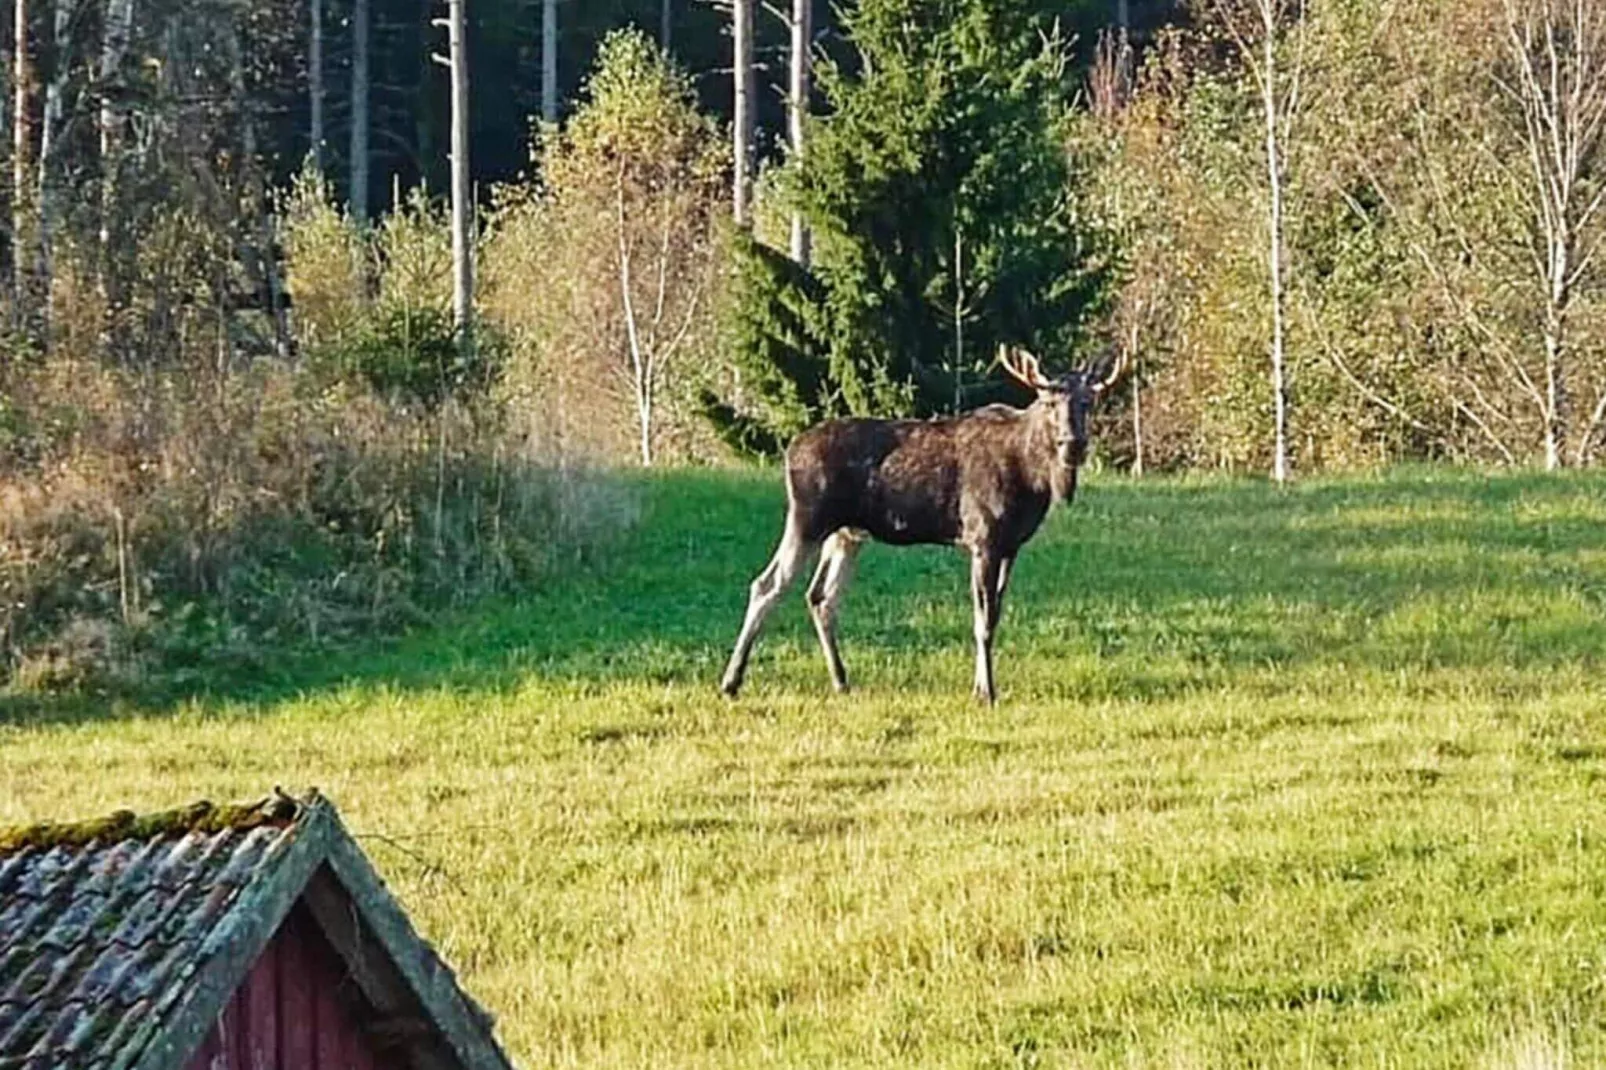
(292, 1012)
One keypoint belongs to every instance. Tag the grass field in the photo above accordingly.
(1301, 778)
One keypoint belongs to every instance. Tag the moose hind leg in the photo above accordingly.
(825, 595)
(766, 591)
(985, 598)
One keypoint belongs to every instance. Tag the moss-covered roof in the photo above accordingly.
(204, 817)
(122, 938)
(102, 922)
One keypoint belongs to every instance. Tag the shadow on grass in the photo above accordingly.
(1145, 589)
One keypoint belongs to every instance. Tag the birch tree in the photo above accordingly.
(115, 34)
(631, 191)
(462, 195)
(1257, 27)
(745, 120)
(24, 209)
(1556, 84)
(797, 100)
(50, 132)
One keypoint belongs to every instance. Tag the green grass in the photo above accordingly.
(1301, 778)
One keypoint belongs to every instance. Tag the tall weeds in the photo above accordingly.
(201, 511)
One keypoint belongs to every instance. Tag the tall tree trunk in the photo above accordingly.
(1274, 174)
(641, 355)
(49, 137)
(115, 34)
(746, 103)
(462, 194)
(666, 24)
(1123, 15)
(959, 315)
(1137, 401)
(798, 108)
(359, 110)
(1557, 307)
(258, 256)
(315, 81)
(24, 216)
(549, 60)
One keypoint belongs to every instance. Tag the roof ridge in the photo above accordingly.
(203, 816)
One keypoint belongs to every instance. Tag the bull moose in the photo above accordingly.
(982, 480)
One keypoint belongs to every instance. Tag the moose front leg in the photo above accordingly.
(986, 596)
(790, 557)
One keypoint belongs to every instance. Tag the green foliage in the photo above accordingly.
(401, 341)
(605, 269)
(937, 187)
(777, 332)
(415, 355)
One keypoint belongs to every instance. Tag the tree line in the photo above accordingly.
(236, 324)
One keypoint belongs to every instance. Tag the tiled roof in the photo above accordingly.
(104, 925)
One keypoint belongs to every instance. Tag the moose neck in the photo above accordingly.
(1050, 473)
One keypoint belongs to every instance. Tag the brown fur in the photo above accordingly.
(983, 481)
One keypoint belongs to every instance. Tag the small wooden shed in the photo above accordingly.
(251, 937)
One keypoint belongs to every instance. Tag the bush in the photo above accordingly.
(189, 523)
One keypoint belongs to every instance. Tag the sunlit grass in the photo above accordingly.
(1314, 777)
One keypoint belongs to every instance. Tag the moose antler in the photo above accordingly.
(1023, 366)
(1118, 367)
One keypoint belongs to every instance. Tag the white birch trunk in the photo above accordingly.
(24, 239)
(1274, 174)
(746, 102)
(462, 194)
(114, 44)
(49, 135)
(1137, 401)
(798, 108)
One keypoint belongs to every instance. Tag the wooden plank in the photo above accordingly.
(297, 1026)
(259, 1017)
(331, 1027)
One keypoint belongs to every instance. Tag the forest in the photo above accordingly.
(246, 398)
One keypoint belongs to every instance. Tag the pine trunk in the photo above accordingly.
(549, 60)
(315, 82)
(359, 110)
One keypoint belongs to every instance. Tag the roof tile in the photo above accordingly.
(102, 924)
(11, 869)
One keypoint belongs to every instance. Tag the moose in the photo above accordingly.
(982, 480)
